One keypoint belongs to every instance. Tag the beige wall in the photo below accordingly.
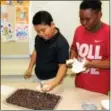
(14, 48)
(65, 15)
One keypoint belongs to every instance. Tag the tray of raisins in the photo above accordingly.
(34, 99)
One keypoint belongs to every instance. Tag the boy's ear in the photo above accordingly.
(100, 14)
(52, 25)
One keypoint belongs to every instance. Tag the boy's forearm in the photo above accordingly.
(32, 60)
(31, 64)
(102, 64)
(73, 54)
(61, 73)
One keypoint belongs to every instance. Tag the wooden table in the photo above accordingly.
(72, 97)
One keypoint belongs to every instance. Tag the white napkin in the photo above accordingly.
(70, 61)
(38, 88)
(77, 66)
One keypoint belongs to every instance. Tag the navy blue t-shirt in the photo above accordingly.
(50, 53)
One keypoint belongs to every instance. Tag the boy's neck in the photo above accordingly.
(96, 27)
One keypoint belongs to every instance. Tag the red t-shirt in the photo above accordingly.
(93, 46)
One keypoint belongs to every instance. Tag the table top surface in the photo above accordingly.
(72, 98)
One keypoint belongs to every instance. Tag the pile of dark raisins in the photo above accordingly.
(33, 99)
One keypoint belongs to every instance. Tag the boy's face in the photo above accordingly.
(45, 31)
(89, 18)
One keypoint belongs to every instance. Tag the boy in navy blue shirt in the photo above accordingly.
(50, 53)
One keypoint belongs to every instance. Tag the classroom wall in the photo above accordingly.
(65, 15)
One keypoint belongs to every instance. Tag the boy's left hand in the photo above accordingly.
(48, 86)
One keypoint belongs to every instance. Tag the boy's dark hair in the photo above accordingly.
(42, 17)
(92, 4)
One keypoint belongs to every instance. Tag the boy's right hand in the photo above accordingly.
(28, 74)
(69, 63)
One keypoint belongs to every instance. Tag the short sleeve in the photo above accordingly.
(108, 44)
(62, 51)
(73, 46)
(36, 43)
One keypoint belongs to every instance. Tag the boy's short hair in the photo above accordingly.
(92, 4)
(42, 17)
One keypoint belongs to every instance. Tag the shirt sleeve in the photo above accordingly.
(62, 51)
(36, 43)
(108, 45)
(73, 46)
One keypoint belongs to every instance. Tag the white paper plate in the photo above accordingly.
(105, 104)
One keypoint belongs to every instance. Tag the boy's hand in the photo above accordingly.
(69, 63)
(28, 73)
(48, 86)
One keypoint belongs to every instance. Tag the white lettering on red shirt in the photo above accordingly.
(90, 52)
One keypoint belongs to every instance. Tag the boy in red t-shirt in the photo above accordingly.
(92, 42)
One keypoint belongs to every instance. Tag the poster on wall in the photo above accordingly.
(21, 32)
(15, 2)
(21, 14)
(22, 2)
(14, 20)
(4, 13)
(6, 32)
(7, 2)
(6, 26)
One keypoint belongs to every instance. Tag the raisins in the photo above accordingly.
(33, 99)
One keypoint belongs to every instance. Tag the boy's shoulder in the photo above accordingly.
(80, 27)
(106, 27)
(37, 38)
(61, 39)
